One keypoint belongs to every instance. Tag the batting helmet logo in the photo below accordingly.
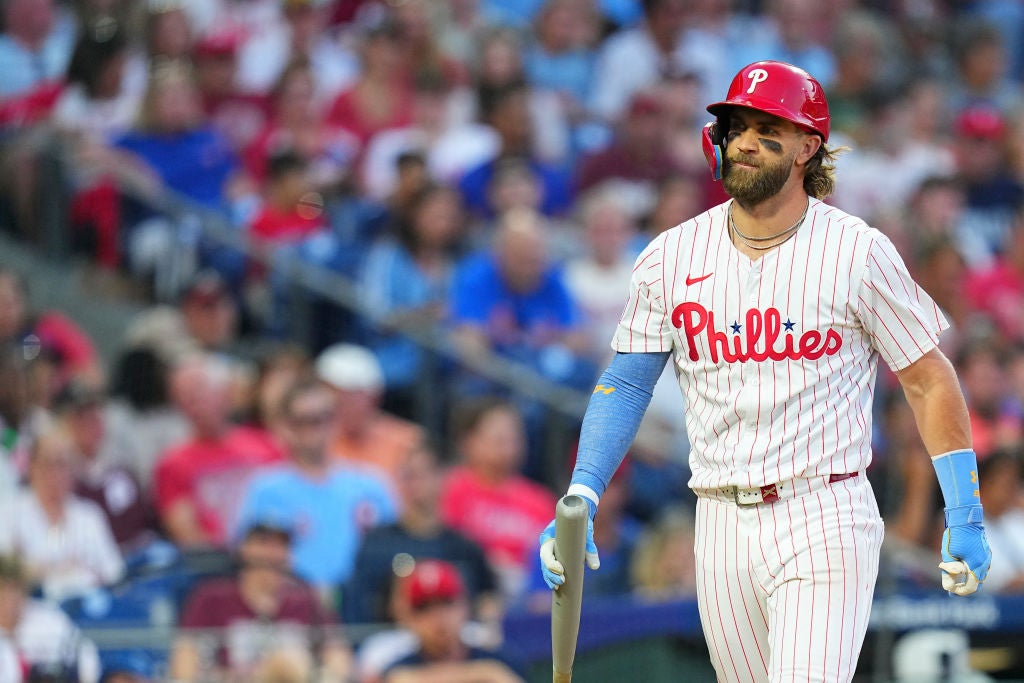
(756, 76)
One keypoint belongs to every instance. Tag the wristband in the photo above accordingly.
(958, 479)
(965, 514)
(586, 493)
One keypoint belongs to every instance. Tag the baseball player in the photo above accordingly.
(775, 308)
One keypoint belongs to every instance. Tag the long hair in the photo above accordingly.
(820, 174)
(101, 43)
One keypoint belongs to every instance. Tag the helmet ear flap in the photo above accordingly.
(713, 142)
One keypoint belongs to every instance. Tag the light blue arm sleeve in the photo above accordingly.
(613, 417)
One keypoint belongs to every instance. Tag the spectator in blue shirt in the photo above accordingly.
(182, 153)
(560, 61)
(177, 145)
(35, 46)
(512, 301)
(329, 505)
(562, 57)
(408, 280)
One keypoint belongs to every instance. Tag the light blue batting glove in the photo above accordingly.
(965, 553)
(965, 558)
(550, 567)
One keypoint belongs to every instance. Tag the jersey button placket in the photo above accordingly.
(748, 369)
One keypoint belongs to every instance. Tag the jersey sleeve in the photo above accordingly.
(901, 319)
(645, 325)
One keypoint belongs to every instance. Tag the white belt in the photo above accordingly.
(771, 493)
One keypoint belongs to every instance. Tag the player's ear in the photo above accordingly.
(810, 145)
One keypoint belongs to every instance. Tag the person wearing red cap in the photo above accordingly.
(431, 602)
(775, 308)
(640, 152)
(237, 115)
(983, 152)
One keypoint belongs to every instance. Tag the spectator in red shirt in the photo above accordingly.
(239, 116)
(382, 97)
(486, 498)
(299, 124)
(999, 290)
(269, 626)
(292, 209)
(199, 484)
(291, 224)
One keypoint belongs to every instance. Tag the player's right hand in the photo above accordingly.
(965, 558)
(550, 567)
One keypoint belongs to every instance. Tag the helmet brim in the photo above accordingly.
(721, 109)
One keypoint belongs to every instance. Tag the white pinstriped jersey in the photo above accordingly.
(777, 357)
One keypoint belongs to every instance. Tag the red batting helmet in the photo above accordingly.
(782, 90)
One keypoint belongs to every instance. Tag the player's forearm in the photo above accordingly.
(613, 417)
(934, 395)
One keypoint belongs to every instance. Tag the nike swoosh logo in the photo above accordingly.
(695, 280)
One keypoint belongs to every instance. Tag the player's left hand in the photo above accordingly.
(965, 558)
(550, 567)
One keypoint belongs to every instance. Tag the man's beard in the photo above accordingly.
(750, 187)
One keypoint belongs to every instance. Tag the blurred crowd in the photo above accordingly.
(488, 168)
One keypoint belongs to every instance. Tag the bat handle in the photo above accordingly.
(571, 521)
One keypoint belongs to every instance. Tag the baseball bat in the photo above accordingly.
(571, 515)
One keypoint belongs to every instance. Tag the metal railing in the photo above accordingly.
(563, 406)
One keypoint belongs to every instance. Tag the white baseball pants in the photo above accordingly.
(785, 589)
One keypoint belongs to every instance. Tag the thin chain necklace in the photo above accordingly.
(751, 242)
